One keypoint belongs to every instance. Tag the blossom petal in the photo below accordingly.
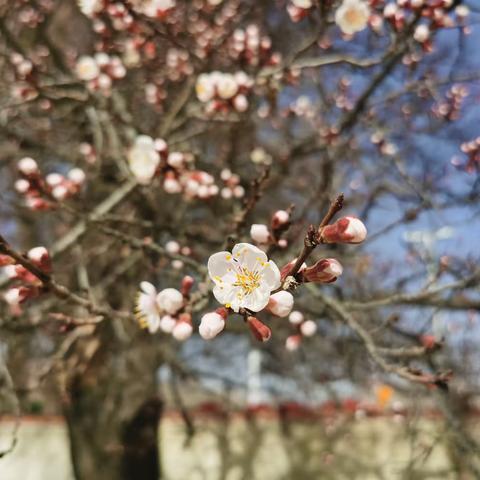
(271, 275)
(219, 265)
(249, 256)
(257, 300)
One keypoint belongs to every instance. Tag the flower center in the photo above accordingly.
(248, 281)
(353, 16)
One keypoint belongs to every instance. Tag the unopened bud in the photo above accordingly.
(28, 166)
(295, 317)
(211, 325)
(259, 233)
(6, 260)
(280, 218)
(293, 342)
(326, 270)
(344, 230)
(308, 328)
(187, 284)
(280, 303)
(259, 330)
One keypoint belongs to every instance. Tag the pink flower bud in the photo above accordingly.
(77, 176)
(326, 270)
(285, 271)
(344, 230)
(295, 317)
(167, 323)
(308, 328)
(15, 296)
(187, 284)
(259, 330)
(280, 303)
(22, 185)
(259, 233)
(182, 330)
(211, 325)
(280, 218)
(293, 342)
(40, 256)
(28, 166)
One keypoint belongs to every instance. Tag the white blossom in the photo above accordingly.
(205, 87)
(296, 317)
(352, 16)
(89, 7)
(167, 323)
(182, 331)
(87, 68)
(146, 310)
(302, 3)
(170, 300)
(27, 166)
(143, 159)
(244, 278)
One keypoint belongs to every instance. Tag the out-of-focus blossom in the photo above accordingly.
(352, 16)
(296, 317)
(260, 233)
(170, 300)
(293, 342)
(146, 310)
(87, 68)
(308, 328)
(143, 159)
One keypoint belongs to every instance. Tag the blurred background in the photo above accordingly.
(249, 108)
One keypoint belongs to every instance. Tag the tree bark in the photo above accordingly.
(112, 412)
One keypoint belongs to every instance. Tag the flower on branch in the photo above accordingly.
(244, 278)
(352, 16)
(280, 303)
(143, 159)
(344, 230)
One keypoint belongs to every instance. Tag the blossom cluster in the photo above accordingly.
(100, 71)
(164, 311)
(264, 235)
(149, 158)
(249, 46)
(43, 192)
(303, 328)
(26, 284)
(449, 107)
(472, 150)
(222, 92)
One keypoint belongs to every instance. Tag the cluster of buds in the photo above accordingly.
(224, 92)
(100, 71)
(385, 147)
(302, 107)
(24, 87)
(165, 310)
(298, 9)
(119, 13)
(263, 235)
(247, 45)
(178, 65)
(27, 285)
(149, 158)
(42, 193)
(174, 248)
(472, 151)
(303, 328)
(232, 187)
(449, 108)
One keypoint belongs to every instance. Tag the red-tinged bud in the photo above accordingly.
(37, 203)
(286, 269)
(6, 260)
(279, 219)
(28, 166)
(15, 296)
(187, 284)
(185, 317)
(280, 303)
(41, 258)
(293, 342)
(326, 270)
(344, 230)
(259, 330)
(429, 342)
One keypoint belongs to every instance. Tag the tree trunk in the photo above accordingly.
(112, 412)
